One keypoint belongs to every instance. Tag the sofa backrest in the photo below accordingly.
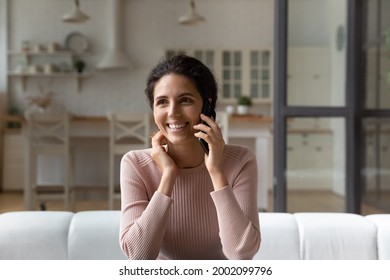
(34, 235)
(95, 235)
(279, 237)
(336, 236)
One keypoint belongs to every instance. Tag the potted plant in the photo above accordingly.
(243, 104)
(79, 65)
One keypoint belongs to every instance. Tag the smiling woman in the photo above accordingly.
(179, 202)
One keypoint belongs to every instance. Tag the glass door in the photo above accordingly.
(316, 63)
(376, 122)
(310, 106)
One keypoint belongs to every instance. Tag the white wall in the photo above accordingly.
(150, 27)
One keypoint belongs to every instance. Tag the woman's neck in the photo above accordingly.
(186, 156)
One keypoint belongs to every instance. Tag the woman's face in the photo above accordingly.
(177, 105)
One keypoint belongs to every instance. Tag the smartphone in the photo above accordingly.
(208, 111)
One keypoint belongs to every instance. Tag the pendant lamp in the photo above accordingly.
(76, 15)
(192, 17)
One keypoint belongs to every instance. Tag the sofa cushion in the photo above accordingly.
(95, 235)
(382, 222)
(336, 236)
(280, 231)
(34, 235)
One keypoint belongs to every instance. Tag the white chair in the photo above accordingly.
(47, 135)
(222, 119)
(128, 131)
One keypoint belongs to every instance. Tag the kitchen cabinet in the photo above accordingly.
(308, 77)
(310, 154)
(239, 72)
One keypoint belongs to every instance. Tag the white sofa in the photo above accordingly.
(95, 235)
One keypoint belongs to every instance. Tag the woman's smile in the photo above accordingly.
(177, 126)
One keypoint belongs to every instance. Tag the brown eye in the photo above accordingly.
(161, 102)
(186, 100)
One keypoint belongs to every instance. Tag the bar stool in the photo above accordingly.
(47, 135)
(128, 131)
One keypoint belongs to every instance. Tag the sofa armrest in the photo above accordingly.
(382, 222)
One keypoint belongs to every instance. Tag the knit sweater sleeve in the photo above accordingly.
(144, 219)
(237, 211)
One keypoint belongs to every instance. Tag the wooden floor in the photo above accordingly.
(320, 201)
(298, 201)
(13, 201)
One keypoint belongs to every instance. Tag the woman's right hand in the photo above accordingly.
(164, 162)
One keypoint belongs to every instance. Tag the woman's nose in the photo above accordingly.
(174, 110)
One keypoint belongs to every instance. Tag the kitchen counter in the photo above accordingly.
(90, 134)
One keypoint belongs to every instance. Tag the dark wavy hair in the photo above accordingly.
(189, 67)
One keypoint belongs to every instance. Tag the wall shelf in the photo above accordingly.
(36, 60)
(41, 53)
(79, 77)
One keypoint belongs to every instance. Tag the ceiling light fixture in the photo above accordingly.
(192, 17)
(76, 15)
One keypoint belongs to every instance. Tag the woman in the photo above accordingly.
(179, 202)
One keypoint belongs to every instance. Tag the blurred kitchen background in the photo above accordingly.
(100, 65)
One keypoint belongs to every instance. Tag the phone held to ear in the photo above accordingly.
(208, 111)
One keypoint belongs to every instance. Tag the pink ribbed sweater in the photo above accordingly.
(196, 222)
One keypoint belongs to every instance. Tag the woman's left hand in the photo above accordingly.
(212, 134)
